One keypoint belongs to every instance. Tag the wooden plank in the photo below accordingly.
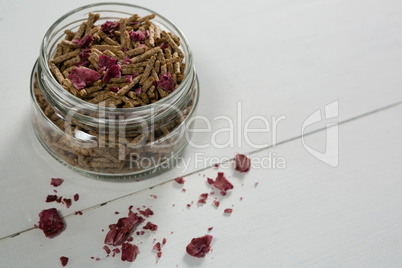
(308, 214)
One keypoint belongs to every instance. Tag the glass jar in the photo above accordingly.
(110, 142)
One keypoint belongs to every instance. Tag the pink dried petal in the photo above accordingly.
(107, 249)
(64, 261)
(198, 247)
(228, 211)
(85, 54)
(166, 82)
(222, 183)
(138, 91)
(146, 33)
(67, 201)
(76, 197)
(109, 27)
(150, 226)
(203, 198)
(126, 60)
(75, 41)
(82, 77)
(163, 46)
(136, 36)
(50, 222)
(112, 72)
(146, 213)
(105, 61)
(86, 41)
(157, 246)
(129, 252)
(56, 182)
(243, 163)
(114, 89)
(101, 70)
(163, 241)
(51, 198)
(81, 63)
(179, 180)
(129, 78)
(216, 203)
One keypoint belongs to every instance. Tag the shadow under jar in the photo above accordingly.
(109, 142)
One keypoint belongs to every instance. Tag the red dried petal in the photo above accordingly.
(76, 197)
(216, 203)
(64, 261)
(198, 247)
(129, 78)
(203, 198)
(146, 213)
(114, 89)
(126, 60)
(112, 72)
(222, 183)
(159, 254)
(119, 232)
(179, 180)
(129, 252)
(105, 61)
(136, 36)
(51, 198)
(67, 201)
(150, 226)
(228, 211)
(109, 27)
(107, 249)
(166, 82)
(86, 41)
(56, 182)
(85, 54)
(163, 241)
(157, 246)
(78, 213)
(243, 163)
(82, 77)
(138, 91)
(210, 228)
(210, 181)
(50, 222)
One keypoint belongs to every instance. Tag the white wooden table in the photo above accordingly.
(275, 59)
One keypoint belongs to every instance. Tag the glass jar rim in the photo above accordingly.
(77, 101)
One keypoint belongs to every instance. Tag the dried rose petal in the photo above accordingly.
(101, 70)
(210, 181)
(105, 61)
(129, 252)
(243, 163)
(136, 36)
(198, 247)
(179, 180)
(166, 82)
(203, 198)
(112, 72)
(157, 246)
(85, 54)
(107, 249)
(163, 241)
(86, 41)
(216, 203)
(126, 60)
(67, 201)
(146, 33)
(138, 91)
(76, 197)
(210, 228)
(146, 213)
(163, 46)
(114, 89)
(64, 261)
(119, 232)
(222, 183)
(56, 182)
(109, 27)
(150, 226)
(82, 77)
(51, 198)
(50, 222)
(129, 78)
(159, 254)
(228, 211)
